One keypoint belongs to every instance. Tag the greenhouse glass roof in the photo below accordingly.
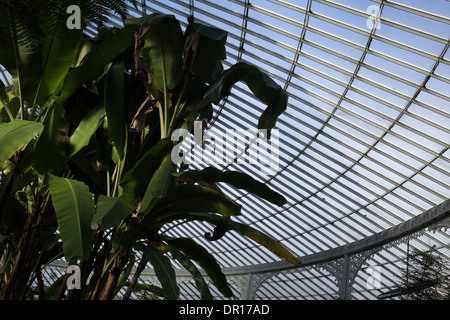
(363, 146)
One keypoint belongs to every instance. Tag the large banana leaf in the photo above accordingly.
(203, 56)
(237, 179)
(74, 209)
(15, 134)
(114, 106)
(163, 270)
(49, 153)
(207, 262)
(165, 43)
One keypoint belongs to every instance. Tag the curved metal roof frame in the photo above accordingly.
(364, 156)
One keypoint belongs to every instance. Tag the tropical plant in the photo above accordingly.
(85, 156)
(425, 277)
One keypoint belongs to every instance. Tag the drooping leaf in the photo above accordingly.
(110, 210)
(87, 127)
(274, 109)
(263, 239)
(178, 200)
(165, 43)
(163, 269)
(49, 152)
(74, 209)
(114, 105)
(200, 282)
(244, 230)
(207, 262)
(261, 85)
(15, 134)
(158, 291)
(204, 51)
(237, 179)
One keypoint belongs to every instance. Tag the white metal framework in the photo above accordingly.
(364, 142)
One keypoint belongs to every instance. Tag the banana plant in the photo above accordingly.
(87, 175)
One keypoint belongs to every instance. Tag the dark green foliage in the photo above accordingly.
(85, 154)
(426, 276)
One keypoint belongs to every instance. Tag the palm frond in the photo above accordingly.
(25, 20)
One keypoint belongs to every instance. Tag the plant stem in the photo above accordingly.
(164, 121)
(8, 111)
(166, 114)
(40, 282)
(136, 275)
(161, 120)
(114, 273)
(117, 177)
(26, 255)
(108, 183)
(49, 109)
